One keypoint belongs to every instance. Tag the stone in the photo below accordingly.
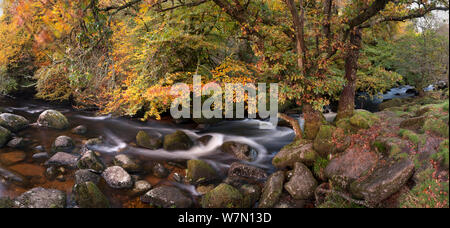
(63, 144)
(240, 151)
(13, 122)
(272, 190)
(302, 184)
(53, 119)
(12, 158)
(79, 130)
(204, 140)
(90, 160)
(383, 182)
(251, 194)
(298, 151)
(141, 187)
(88, 195)
(6, 203)
(177, 141)
(363, 119)
(223, 196)
(167, 197)
(200, 172)
(116, 177)
(85, 175)
(63, 159)
(40, 157)
(414, 123)
(126, 162)
(12, 177)
(41, 198)
(247, 171)
(330, 140)
(146, 141)
(160, 171)
(5, 135)
(17, 143)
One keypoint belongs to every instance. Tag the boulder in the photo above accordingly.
(5, 135)
(141, 187)
(200, 172)
(302, 184)
(63, 144)
(223, 196)
(240, 151)
(350, 165)
(363, 119)
(116, 177)
(41, 198)
(6, 203)
(298, 151)
(251, 194)
(12, 158)
(160, 171)
(89, 160)
(383, 182)
(247, 171)
(415, 123)
(79, 130)
(85, 175)
(129, 164)
(63, 159)
(177, 141)
(13, 122)
(88, 195)
(272, 190)
(40, 157)
(167, 197)
(53, 119)
(12, 177)
(146, 141)
(17, 143)
(392, 103)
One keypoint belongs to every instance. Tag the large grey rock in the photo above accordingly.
(199, 171)
(167, 197)
(88, 195)
(89, 160)
(129, 164)
(302, 184)
(272, 190)
(298, 151)
(246, 171)
(17, 143)
(141, 187)
(53, 119)
(85, 175)
(5, 135)
(63, 144)
(13, 122)
(240, 151)
(383, 182)
(79, 130)
(63, 159)
(116, 177)
(41, 198)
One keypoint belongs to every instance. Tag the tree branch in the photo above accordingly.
(294, 123)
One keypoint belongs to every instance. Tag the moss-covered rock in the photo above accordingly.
(89, 160)
(302, 184)
(436, 126)
(199, 171)
(240, 151)
(390, 146)
(347, 127)
(88, 195)
(13, 122)
(414, 123)
(53, 119)
(272, 190)
(62, 144)
(393, 103)
(177, 141)
(417, 139)
(146, 141)
(363, 119)
(330, 140)
(5, 135)
(312, 127)
(251, 194)
(223, 196)
(298, 151)
(128, 163)
(6, 203)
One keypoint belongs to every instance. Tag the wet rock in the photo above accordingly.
(116, 177)
(85, 175)
(129, 164)
(17, 143)
(200, 172)
(63, 144)
(63, 159)
(177, 141)
(415, 123)
(272, 190)
(51, 173)
(141, 187)
(223, 196)
(53, 119)
(251, 194)
(13, 122)
(12, 158)
(240, 151)
(40, 157)
(89, 160)
(41, 198)
(88, 195)
(167, 197)
(247, 171)
(302, 184)
(79, 130)
(39, 148)
(202, 190)
(350, 165)
(6, 203)
(5, 135)
(160, 171)
(363, 119)
(178, 178)
(383, 182)
(298, 151)
(204, 140)
(12, 177)
(146, 141)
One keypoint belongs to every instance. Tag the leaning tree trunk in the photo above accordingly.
(347, 98)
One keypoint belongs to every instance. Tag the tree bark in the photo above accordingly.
(347, 98)
(299, 24)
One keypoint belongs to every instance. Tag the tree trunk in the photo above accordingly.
(347, 98)
(299, 24)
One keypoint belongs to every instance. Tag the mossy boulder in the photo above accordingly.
(436, 126)
(414, 123)
(393, 103)
(62, 144)
(177, 141)
(223, 196)
(199, 171)
(302, 184)
(298, 151)
(417, 139)
(13, 122)
(363, 119)
(251, 194)
(390, 146)
(312, 127)
(5, 135)
(128, 163)
(6, 203)
(90, 160)
(272, 190)
(346, 126)
(146, 141)
(53, 119)
(330, 140)
(88, 195)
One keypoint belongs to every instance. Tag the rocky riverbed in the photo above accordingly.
(53, 157)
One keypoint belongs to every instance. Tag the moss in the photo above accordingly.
(319, 166)
(380, 147)
(53, 119)
(5, 135)
(436, 126)
(144, 140)
(223, 196)
(363, 119)
(199, 171)
(346, 126)
(88, 195)
(335, 201)
(413, 137)
(323, 143)
(6, 203)
(177, 141)
(442, 154)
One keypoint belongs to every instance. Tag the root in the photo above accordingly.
(294, 123)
